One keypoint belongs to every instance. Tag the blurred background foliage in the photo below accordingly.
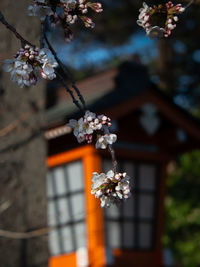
(182, 223)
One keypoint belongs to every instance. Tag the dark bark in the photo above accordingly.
(22, 171)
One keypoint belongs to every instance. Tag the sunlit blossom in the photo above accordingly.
(110, 188)
(91, 127)
(104, 140)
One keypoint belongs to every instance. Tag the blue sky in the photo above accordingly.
(97, 54)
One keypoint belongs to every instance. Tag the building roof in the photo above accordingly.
(120, 94)
(92, 89)
(99, 91)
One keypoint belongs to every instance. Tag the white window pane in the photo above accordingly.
(54, 243)
(113, 234)
(78, 206)
(63, 210)
(59, 181)
(75, 176)
(147, 175)
(51, 212)
(50, 192)
(146, 206)
(129, 207)
(67, 239)
(80, 235)
(107, 165)
(145, 232)
(128, 237)
(112, 212)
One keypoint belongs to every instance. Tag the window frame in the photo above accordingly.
(59, 226)
(94, 220)
(136, 219)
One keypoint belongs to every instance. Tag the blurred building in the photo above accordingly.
(151, 131)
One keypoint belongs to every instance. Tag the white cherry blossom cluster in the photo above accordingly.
(92, 127)
(159, 21)
(64, 12)
(110, 188)
(29, 65)
(40, 9)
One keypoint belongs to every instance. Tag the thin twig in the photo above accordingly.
(69, 91)
(42, 35)
(12, 29)
(111, 150)
(65, 70)
(28, 235)
(54, 53)
(189, 4)
(79, 94)
(114, 161)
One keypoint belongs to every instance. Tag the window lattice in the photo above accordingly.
(131, 225)
(66, 208)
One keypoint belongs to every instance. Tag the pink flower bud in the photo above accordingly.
(33, 80)
(31, 57)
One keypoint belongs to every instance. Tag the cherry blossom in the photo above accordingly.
(40, 11)
(29, 65)
(90, 127)
(110, 188)
(159, 21)
(65, 12)
(104, 140)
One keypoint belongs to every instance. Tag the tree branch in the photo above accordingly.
(28, 235)
(114, 161)
(65, 70)
(42, 35)
(62, 80)
(13, 30)
(112, 151)
(189, 4)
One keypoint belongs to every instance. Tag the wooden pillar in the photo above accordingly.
(96, 248)
(94, 218)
